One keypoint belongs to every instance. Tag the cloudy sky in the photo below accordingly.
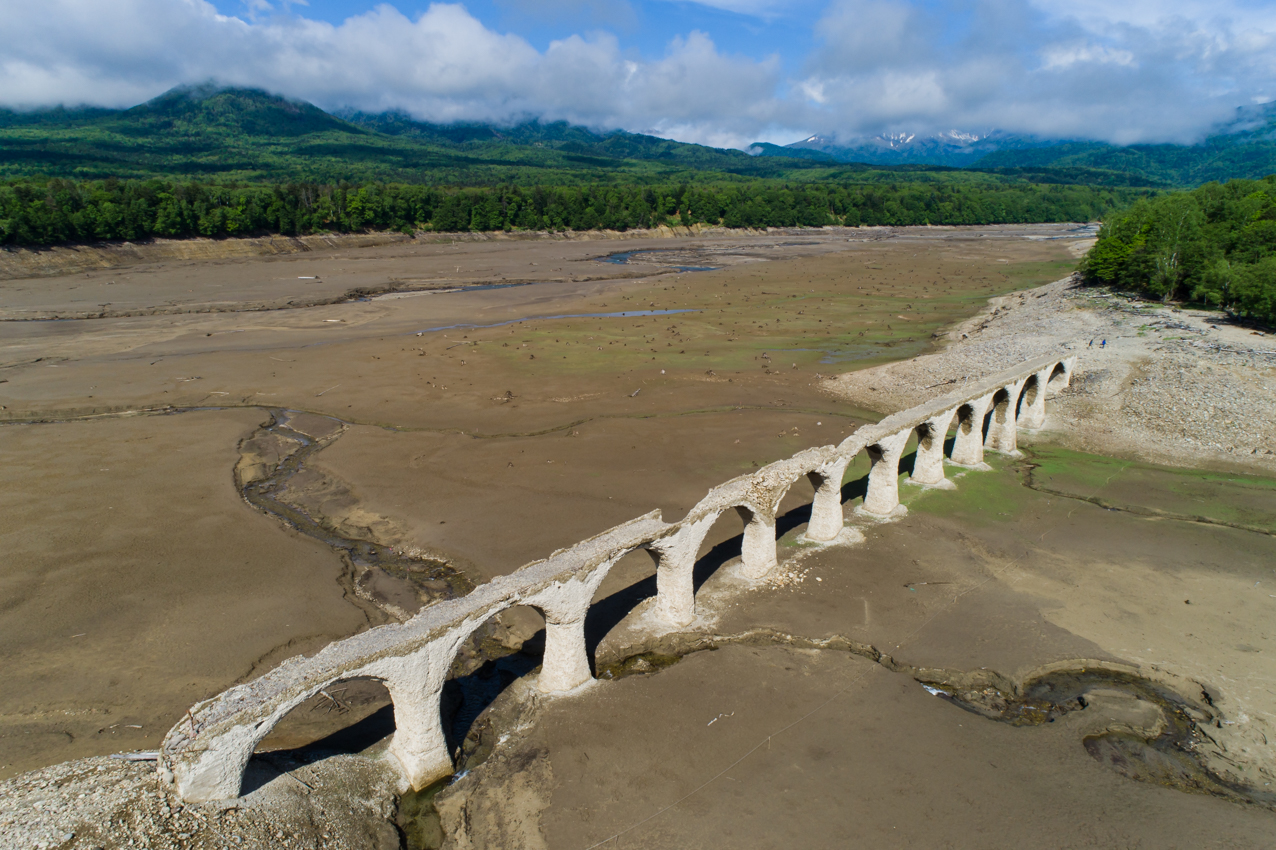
(721, 72)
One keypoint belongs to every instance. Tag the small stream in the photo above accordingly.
(433, 580)
(654, 257)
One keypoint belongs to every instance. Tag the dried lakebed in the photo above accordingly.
(1147, 730)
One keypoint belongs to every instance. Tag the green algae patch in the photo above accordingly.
(981, 497)
(418, 820)
(1246, 502)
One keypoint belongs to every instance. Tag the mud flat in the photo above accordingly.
(489, 446)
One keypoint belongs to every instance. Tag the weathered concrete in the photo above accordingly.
(205, 754)
(968, 447)
(1002, 427)
(882, 497)
(928, 466)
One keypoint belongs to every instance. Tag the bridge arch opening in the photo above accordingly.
(1059, 377)
(998, 410)
(631, 581)
(966, 417)
(504, 648)
(794, 510)
(351, 715)
(1029, 395)
(723, 542)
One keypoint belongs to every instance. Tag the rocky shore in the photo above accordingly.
(1158, 382)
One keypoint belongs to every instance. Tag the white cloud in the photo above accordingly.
(1130, 72)
(1059, 56)
(444, 65)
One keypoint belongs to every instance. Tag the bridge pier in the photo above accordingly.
(1003, 430)
(218, 774)
(415, 683)
(1061, 374)
(968, 448)
(928, 468)
(758, 550)
(1032, 413)
(883, 476)
(826, 508)
(566, 663)
(675, 571)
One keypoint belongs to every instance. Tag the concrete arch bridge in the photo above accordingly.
(205, 754)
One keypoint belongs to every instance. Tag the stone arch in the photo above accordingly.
(928, 467)
(1002, 423)
(1031, 408)
(1060, 376)
(968, 447)
(882, 497)
(1028, 396)
(348, 716)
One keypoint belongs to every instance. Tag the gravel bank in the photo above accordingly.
(1173, 386)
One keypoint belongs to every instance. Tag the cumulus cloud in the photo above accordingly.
(1136, 71)
(442, 66)
(1128, 72)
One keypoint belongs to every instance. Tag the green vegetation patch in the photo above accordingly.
(1215, 244)
(981, 498)
(1239, 501)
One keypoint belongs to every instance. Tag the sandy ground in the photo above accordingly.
(496, 445)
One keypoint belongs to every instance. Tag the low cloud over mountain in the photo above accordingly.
(1122, 73)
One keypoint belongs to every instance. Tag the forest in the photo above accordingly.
(53, 211)
(1215, 245)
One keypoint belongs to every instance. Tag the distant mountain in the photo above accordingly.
(247, 134)
(1242, 147)
(953, 148)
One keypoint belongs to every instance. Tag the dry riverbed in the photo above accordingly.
(534, 416)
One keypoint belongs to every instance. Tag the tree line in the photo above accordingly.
(41, 212)
(1215, 244)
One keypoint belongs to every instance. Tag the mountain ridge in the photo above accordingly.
(1244, 146)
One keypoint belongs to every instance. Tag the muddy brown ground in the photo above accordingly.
(497, 445)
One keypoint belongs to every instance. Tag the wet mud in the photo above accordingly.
(1170, 756)
(397, 581)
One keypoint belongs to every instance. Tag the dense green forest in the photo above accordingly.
(1215, 244)
(55, 211)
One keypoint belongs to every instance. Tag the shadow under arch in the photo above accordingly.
(348, 716)
(1060, 370)
(795, 507)
(611, 604)
(855, 479)
(1028, 395)
(485, 666)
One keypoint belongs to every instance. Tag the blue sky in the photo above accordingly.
(721, 72)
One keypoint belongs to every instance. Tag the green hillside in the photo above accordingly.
(209, 161)
(249, 135)
(1216, 244)
(1247, 149)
